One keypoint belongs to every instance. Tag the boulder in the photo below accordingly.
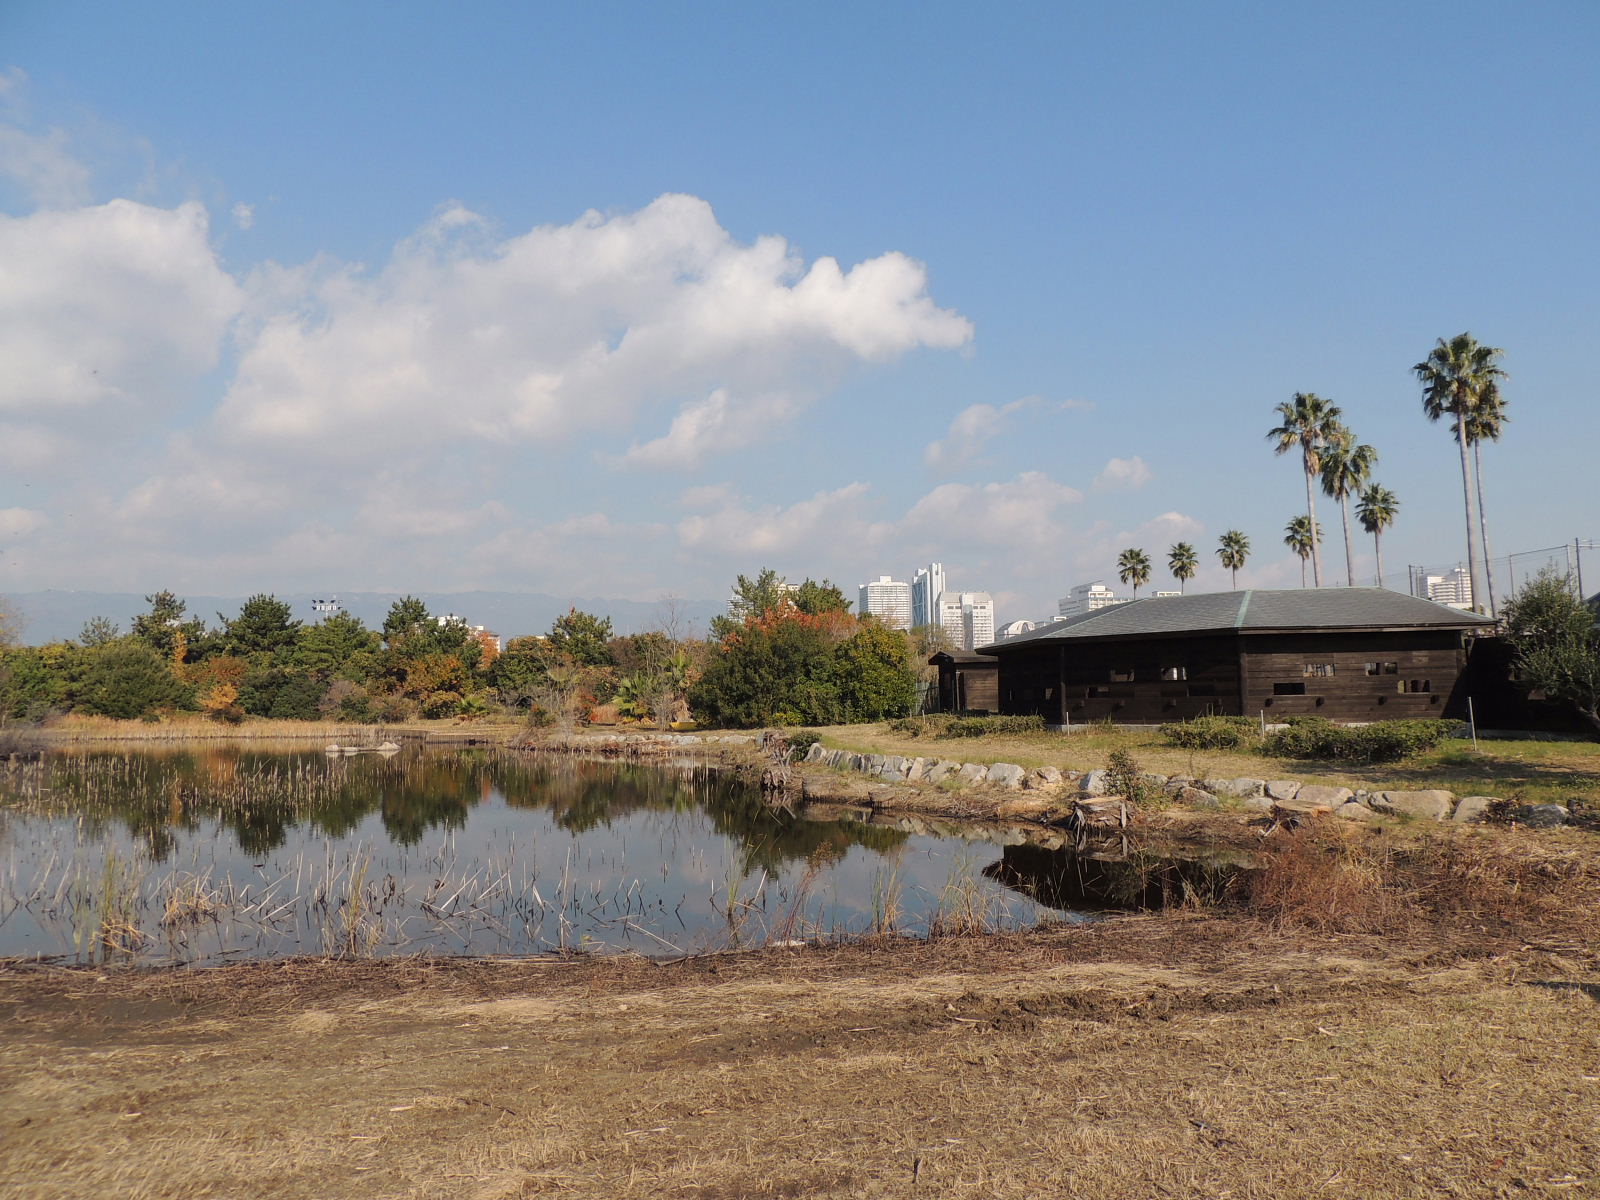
(1474, 810)
(893, 769)
(1196, 798)
(1300, 807)
(1432, 804)
(1542, 816)
(1316, 793)
(1005, 775)
(873, 764)
(1351, 811)
(815, 753)
(1242, 789)
(942, 769)
(1283, 789)
(972, 772)
(1258, 803)
(917, 770)
(1042, 777)
(1094, 784)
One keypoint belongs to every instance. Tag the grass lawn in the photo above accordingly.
(1538, 772)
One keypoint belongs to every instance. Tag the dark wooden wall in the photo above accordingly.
(1427, 663)
(1080, 682)
(968, 687)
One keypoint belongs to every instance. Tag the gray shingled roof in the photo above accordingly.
(1253, 610)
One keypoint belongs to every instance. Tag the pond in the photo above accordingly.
(201, 856)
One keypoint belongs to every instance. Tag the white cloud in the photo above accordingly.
(107, 314)
(569, 328)
(20, 522)
(244, 215)
(43, 166)
(970, 433)
(1023, 513)
(1122, 474)
(827, 525)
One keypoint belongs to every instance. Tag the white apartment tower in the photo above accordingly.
(1453, 588)
(887, 599)
(927, 585)
(1087, 597)
(967, 618)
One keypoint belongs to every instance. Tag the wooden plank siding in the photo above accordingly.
(1416, 672)
(1173, 678)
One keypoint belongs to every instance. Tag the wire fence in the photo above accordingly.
(1447, 581)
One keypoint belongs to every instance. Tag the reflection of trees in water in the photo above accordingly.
(1073, 882)
(262, 796)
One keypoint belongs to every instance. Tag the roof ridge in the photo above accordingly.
(1244, 607)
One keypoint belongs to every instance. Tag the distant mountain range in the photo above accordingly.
(57, 615)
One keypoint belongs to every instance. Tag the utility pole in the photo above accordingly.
(1577, 562)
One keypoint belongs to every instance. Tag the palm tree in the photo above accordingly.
(1133, 566)
(1307, 421)
(1376, 511)
(1485, 424)
(1233, 549)
(1456, 376)
(1346, 467)
(1181, 561)
(1298, 537)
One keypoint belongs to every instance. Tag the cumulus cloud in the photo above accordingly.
(109, 313)
(244, 215)
(1024, 512)
(20, 522)
(826, 522)
(579, 327)
(1122, 474)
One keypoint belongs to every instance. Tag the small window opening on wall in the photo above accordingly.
(1416, 685)
(1383, 668)
(1174, 672)
(1121, 674)
(1096, 692)
(1317, 670)
(1288, 689)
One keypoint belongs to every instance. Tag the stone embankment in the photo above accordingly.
(1047, 790)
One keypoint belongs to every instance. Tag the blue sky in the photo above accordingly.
(625, 299)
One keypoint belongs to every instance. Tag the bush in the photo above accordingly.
(800, 743)
(982, 726)
(932, 725)
(1212, 733)
(1382, 741)
(1125, 777)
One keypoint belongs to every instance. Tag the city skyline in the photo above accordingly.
(623, 305)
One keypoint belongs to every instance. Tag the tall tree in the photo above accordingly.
(1376, 510)
(1305, 423)
(1456, 378)
(1183, 563)
(1297, 535)
(1485, 425)
(264, 629)
(1233, 548)
(1133, 566)
(1346, 467)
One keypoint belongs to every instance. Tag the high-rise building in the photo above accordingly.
(1453, 588)
(927, 585)
(967, 618)
(1087, 597)
(887, 599)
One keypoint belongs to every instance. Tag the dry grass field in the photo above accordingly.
(1366, 1022)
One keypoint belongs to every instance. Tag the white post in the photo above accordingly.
(1472, 719)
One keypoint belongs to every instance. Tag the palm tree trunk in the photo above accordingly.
(1377, 550)
(1483, 524)
(1316, 551)
(1472, 516)
(1302, 570)
(1349, 554)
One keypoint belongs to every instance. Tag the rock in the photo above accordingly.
(1005, 775)
(1242, 789)
(1300, 807)
(1432, 804)
(1259, 803)
(1316, 793)
(874, 764)
(1196, 798)
(1283, 789)
(1094, 784)
(918, 770)
(893, 769)
(942, 769)
(1177, 783)
(1042, 777)
(1542, 816)
(1152, 781)
(1026, 808)
(815, 753)
(1474, 810)
(971, 772)
(1351, 811)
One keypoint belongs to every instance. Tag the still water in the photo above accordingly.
(204, 856)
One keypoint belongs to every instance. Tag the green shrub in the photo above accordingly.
(930, 725)
(1212, 733)
(1382, 741)
(800, 743)
(981, 726)
(1125, 777)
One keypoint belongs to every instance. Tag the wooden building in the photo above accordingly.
(1349, 654)
(968, 682)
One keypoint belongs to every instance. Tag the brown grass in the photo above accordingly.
(188, 727)
(1166, 1056)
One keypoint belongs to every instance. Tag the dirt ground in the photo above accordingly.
(1180, 1054)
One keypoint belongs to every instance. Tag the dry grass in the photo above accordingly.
(190, 727)
(1535, 771)
(1166, 1056)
